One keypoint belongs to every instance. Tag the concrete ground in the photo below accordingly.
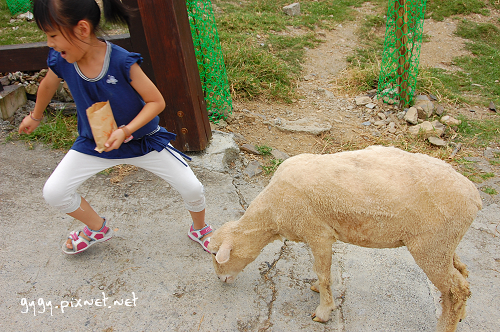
(151, 277)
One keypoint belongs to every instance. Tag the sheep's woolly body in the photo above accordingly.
(378, 197)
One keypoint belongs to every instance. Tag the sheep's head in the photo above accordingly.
(231, 253)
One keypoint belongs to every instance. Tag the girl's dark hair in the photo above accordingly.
(65, 14)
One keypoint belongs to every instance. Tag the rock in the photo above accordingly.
(292, 10)
(450, 121)
(220, 153)
(249, 148)
(239, 138)
(249, 118)
(371, 105)
(277, 154)
(366, 123)
(31, 88)
(436, 141)
(428, 129)
(382, 116)
(492, 107)
(360, 101)
(28, 16)
(439, 110)
(426, 105)
(325, 93)
(254, 168)
(65, 108)
(420, 98)
(421, 114)
(411, 116)
(63, 93)
(221, 124)
(304, 125)
(310, 77)
(5, 80)
(392, 127)
(380, 123)
(432, 97)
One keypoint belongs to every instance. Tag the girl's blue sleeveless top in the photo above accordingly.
(113, 84)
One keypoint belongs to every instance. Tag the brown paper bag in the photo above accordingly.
(102, 123)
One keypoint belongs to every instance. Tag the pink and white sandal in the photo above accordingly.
(197, 234)
(81, 244)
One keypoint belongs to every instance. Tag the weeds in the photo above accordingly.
(58, 131)
(273, 166)
(489, 190)
(264, 150)
(479, 133)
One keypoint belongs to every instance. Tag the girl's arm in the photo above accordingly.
(155, 104)
(45, 92)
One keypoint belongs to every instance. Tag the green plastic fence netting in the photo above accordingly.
(209, 57)
(403, 38)
(19, 6)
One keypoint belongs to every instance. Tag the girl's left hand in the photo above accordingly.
(115, 140)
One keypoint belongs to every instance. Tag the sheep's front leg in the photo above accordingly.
(322, 252)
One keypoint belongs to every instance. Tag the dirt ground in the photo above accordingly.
(322, 100)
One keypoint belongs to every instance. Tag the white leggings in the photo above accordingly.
(76, 167)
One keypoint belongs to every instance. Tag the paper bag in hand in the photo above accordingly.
(102, 123)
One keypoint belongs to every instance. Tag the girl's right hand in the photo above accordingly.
(28, 125)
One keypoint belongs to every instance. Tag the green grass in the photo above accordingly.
(59, 131)
(264, 150)
(438, 9)
(489, 190)
(264, 49)
(17, 31)
(479, 133)
(477, 82)
(272, 166)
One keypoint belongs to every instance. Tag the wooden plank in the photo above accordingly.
(33, 56)
(170, 44)
(138, 39)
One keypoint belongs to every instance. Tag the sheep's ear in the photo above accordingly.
(223, 253)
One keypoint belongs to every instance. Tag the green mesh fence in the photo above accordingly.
(19, 6)
(403, 38)
(209, 57)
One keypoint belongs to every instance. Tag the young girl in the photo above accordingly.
(98, 71)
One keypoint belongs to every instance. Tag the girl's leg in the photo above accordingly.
(60, 189)
(180, 177)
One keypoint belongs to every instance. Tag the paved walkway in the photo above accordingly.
(151, 277)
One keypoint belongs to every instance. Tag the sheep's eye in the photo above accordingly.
(214, 253)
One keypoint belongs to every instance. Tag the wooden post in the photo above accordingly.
(161, 33)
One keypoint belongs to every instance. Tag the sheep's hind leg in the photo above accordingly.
(440, 265)
(322, 253)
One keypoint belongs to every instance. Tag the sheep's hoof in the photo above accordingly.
(317, 319)
(314, 288)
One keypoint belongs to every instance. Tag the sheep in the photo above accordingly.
(379, 197)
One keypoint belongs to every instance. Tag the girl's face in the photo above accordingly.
(71, 51)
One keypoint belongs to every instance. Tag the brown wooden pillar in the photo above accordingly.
(160, 31)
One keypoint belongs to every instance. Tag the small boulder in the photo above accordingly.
(254, 168)
(427, 107)
(363, 100)
(249, 148)
(292, 10)
(436, 141)
(411, 115)
(428, 129)
(277, 154)
(450, 121)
